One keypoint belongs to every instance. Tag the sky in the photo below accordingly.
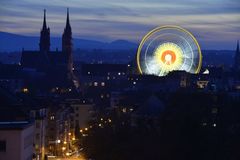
(215, 23)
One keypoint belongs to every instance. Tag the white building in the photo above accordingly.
(16, 140)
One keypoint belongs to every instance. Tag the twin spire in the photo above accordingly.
(45, 24)
(44, 44)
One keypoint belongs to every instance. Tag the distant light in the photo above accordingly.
(119, 73)
(134, 82)
(108, 77)
(67, 154)
(25, 90)
(95, 84)
(69, 89)
(73, 68)
(73, 138)
(103, 84)
(128, 65)
(101, 119)
(69, 133)
(100, 125)
(109, 120)
(86, 129)
(64, 142)
(63, 148)
(206, 71)
(59, 141)
(89, 72)
(81, 130)
(214, 124)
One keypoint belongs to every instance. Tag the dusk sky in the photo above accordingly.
(215, 23)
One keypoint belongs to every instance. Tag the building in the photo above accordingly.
(58, 65)
(16, 135)
(40, 126)
(58, 129)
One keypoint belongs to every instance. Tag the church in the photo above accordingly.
(57, 65)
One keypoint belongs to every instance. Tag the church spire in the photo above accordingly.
(44, 36)
(67, 43)
(237, 58)
(44, 20)
(68, 23)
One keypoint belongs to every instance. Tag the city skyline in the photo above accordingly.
(215, 24)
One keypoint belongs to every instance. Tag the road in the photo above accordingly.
(74, 157)
(68, 158)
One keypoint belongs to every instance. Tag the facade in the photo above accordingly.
(40, 126)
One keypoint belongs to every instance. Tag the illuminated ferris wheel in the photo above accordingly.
(168, 48)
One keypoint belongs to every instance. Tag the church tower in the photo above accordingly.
(67, 46)
(237, 58)
(45, 36)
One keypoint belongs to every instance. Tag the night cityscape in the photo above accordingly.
(127, 80)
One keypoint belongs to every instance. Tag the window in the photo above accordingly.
(2, 146)
(37, 124)
(37, 136)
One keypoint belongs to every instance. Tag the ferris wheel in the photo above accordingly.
(168, 48)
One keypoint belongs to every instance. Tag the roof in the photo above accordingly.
(36, 59)
(13, 117)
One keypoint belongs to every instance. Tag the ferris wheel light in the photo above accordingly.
(168, 48)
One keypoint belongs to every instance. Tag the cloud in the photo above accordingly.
(212, 22)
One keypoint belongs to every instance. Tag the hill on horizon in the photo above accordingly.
(14, 42)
